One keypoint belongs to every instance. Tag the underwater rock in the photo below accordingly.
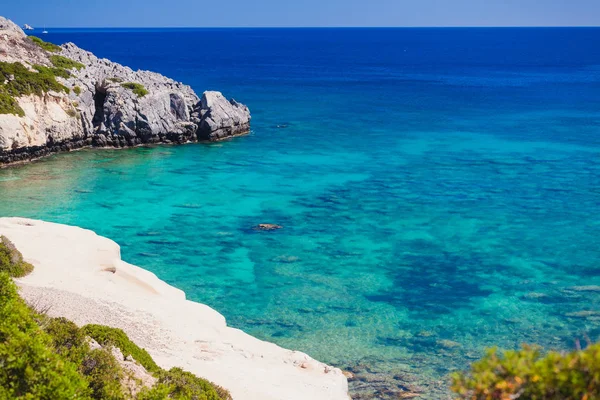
(267, 227)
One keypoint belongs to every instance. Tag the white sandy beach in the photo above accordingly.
(80, 275)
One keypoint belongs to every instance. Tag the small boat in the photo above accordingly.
(44, 31)
(27, 27)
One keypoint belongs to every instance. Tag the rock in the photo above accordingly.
(448, 344)
(106, 113)
(583, 314)
(267, 227)
(221, 118)
(587, 288)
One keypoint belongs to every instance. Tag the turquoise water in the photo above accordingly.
(425, 215)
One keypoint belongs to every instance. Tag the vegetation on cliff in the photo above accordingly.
(528, 374)
(65, 63)
(17, 80)
(51, 47)
(11, 260)
(53, 359)
(136, 88)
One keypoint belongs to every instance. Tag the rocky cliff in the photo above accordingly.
(59, 98)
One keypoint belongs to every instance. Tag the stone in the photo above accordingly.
(267, 227)
(108, 114)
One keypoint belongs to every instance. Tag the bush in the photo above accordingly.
(8, 104)
(181, 385)
(22, 81)
(136, 88)
(527, 374)
(108, 336)
(45, 45)
(11, 260)
(77, 90)
(65, 63)
(30, 369)
(104, 374)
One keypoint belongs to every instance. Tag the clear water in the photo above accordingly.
(439, 191)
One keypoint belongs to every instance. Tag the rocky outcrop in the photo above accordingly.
(108, 105)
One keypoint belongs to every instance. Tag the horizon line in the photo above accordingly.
(328, 27)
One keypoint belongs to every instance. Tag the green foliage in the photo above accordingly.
(181, 385)
(116, 337)
(527, 374)
(115, 80)
(71, 112)
(104, 375)
(22, 81)
(8, 104)
(29, 367)
(77, 90)
(50, 358)
(11, 260)
(45, 45)
(65, 63)
(136, 88)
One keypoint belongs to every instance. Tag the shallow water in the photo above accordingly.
(434, 201)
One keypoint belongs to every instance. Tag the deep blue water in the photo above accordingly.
(439, 190)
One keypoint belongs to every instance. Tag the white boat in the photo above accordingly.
(27, 27)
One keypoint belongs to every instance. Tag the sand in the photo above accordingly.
(80, 275)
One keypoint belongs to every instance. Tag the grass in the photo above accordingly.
(11, 260)
(77, 90)
(51, 47)
(65, 63)
(115, 80)
(136, 88)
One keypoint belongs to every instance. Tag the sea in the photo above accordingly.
(438, 189)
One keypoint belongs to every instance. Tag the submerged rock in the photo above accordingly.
(267, 227)
(105, 104)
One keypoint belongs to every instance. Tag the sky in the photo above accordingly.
(301, 13)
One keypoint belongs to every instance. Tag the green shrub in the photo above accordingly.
(136, 88)
(65, 63)
(181, 385)
(527, 374)
(22, 81)
(11, 260)
(115, 80)
(67, 339)
(8, 104)
(30, 369)
(77, 90)
(104, 375)
(116, 337)
(45, 45)
(71, 112)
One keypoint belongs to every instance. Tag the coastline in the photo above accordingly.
(80, 275)
(49, 153)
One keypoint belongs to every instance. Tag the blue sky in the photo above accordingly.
(200, 13)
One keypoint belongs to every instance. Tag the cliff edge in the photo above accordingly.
(80, 276)
(59, 98)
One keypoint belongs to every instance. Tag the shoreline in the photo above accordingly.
(26, 161)
(80, 275)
